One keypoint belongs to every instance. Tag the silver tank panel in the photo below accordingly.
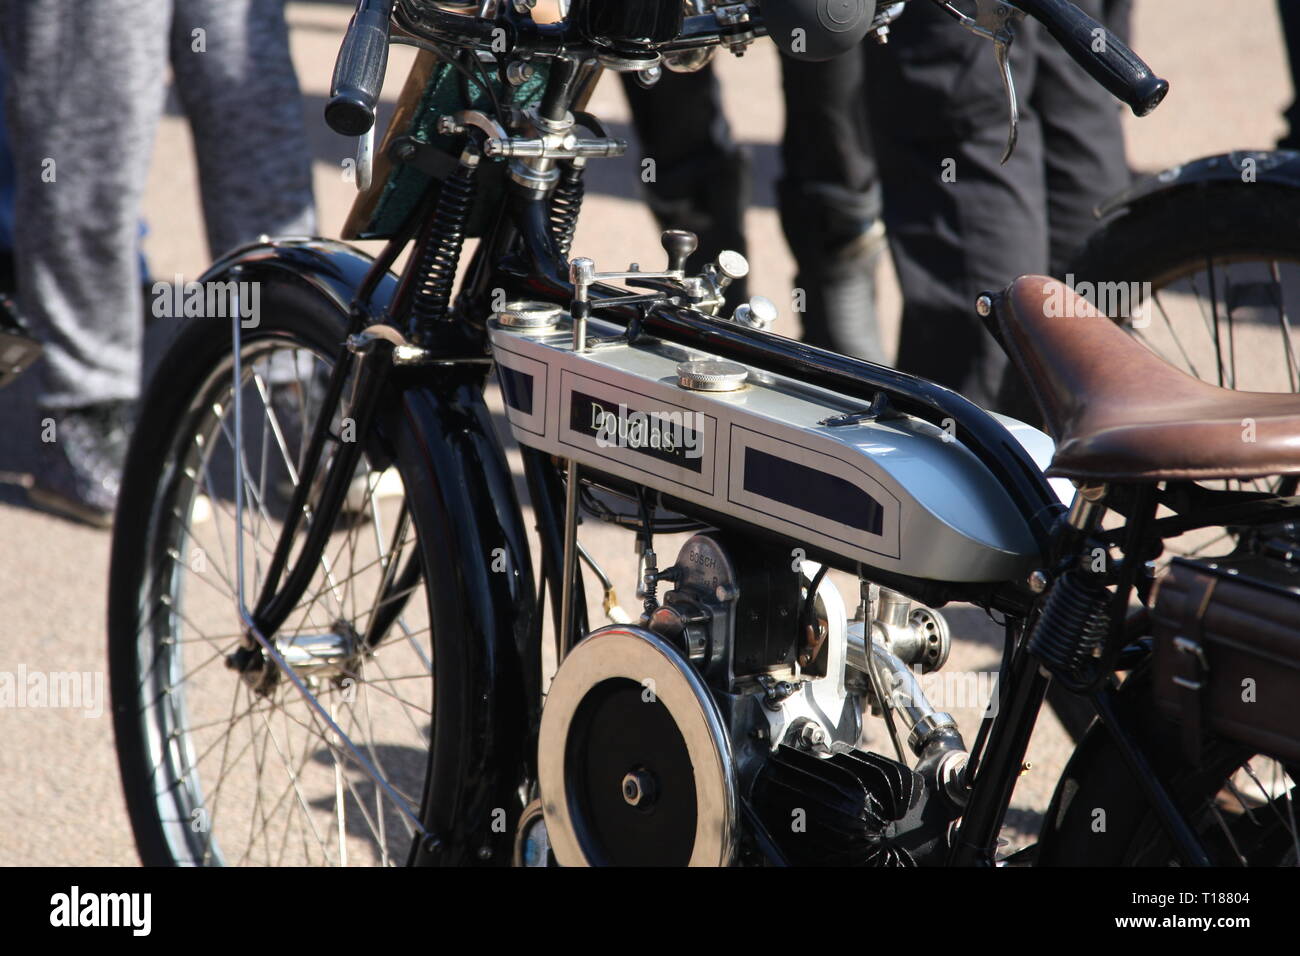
(900, 495)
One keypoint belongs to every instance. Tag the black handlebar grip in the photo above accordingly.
(1110, 62)
(359, 70)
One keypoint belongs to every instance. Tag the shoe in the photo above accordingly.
(80, 470)
(18, 349)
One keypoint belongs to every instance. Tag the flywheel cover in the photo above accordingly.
(596, 675)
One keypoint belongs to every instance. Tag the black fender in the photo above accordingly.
(332, 268)
(475, 552)
(1279, 167)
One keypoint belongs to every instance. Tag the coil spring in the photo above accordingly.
(1073, 625)
(566, 203)
(443, 239)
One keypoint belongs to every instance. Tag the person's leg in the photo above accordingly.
(84, 97)
(959, 222)
(701, 177)
(240, 92)
(829, 201)
(85, 92)
(1289, 11)
(1083, 141)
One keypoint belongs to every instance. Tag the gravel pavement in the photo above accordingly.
(60, 802)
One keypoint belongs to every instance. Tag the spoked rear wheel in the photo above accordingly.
(227, 758)
(1208, 278)
(1241, 805)
(1242, 810)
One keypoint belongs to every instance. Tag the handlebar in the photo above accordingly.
(363, 57)
(1106, 58)
(359, 70)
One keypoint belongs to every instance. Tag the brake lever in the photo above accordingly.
(996, 21)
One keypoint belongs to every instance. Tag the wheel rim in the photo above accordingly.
(243, 770)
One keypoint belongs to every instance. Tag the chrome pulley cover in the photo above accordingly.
(635, 767)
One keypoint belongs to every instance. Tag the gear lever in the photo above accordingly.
(680, 245)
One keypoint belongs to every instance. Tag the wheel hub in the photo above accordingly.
(335, 655)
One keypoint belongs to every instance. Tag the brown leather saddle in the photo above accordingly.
(1121, 413)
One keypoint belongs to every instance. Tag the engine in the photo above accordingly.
(726, 727)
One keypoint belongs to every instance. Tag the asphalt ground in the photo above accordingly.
(60, 800)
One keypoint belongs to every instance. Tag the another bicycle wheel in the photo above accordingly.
(1208, 277)
(225, 757)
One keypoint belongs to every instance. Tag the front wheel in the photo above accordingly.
(226, 758)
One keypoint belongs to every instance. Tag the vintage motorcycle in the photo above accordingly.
(326, 629)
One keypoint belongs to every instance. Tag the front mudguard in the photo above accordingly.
(475, 554)
(332, 268)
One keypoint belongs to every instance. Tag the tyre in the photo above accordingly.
(1240, 805)
(225, 758)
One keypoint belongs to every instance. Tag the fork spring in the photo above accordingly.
(566, 203)
(443, 240)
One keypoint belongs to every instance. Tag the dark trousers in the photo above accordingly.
(829, 200)
(1289, 11)
(701, 178)
(959, 222)
(920, 122)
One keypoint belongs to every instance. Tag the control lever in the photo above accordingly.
(731, 265)
(996, 21)
(680, 246)
(1105, 56)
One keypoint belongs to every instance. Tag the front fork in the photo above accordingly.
(370, 358)
(274, 606)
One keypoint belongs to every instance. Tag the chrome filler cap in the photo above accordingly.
(529, 315)
(710, 375)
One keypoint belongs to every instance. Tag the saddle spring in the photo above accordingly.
(1073, 627)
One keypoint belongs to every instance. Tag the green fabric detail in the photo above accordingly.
(406, 185)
